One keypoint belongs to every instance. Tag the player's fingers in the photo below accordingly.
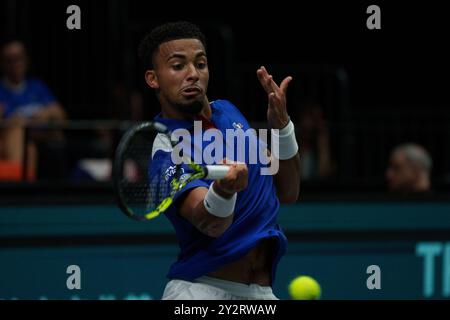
(272, 100)
(284, 84)
(270, 84)
(242, 170)
(226, 161)
(267, 79)
(260, 73)
(239, 170)
(264, 71)
(262, 77)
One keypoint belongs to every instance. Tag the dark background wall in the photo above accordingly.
(378, 89)
(399, 65)
(390, 85)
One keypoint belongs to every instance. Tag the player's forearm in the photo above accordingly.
(287, 180)
(193, 209)
(211, 225)
(211, 209)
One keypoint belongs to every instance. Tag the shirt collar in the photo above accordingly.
(173, 124)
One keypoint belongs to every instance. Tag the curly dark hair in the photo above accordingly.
(163, 33)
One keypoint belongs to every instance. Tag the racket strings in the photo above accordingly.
(146, 182)
(149, 179)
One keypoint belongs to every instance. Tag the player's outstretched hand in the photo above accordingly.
(236, 179)
(277, 115)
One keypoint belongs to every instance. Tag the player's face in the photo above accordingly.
(400, 174)
(14, 61)
(181, 75)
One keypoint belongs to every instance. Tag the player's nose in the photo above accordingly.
(192, 74)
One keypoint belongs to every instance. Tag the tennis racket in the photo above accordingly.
(145, 177)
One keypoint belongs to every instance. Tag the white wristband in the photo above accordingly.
(219, 206)
(284, 144)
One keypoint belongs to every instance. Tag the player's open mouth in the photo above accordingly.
(191, 91)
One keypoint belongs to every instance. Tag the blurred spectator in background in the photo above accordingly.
(409, 170)
(314, 139)
(23, 100)
(125, 104)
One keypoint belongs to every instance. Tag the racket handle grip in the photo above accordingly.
(215, 172)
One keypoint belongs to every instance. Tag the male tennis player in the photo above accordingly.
(230, 243)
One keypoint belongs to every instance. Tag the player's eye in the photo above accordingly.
(201, 65)
(177, 66)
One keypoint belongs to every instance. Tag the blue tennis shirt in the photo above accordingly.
(33, 96)
(255, 214)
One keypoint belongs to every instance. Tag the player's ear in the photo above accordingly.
(152, 79)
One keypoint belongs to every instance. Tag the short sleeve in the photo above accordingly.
(191, 185)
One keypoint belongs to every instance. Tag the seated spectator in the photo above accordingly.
(23, 100)
(409, 170)
(314, 140)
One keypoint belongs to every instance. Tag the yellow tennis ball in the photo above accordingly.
(304, 288)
